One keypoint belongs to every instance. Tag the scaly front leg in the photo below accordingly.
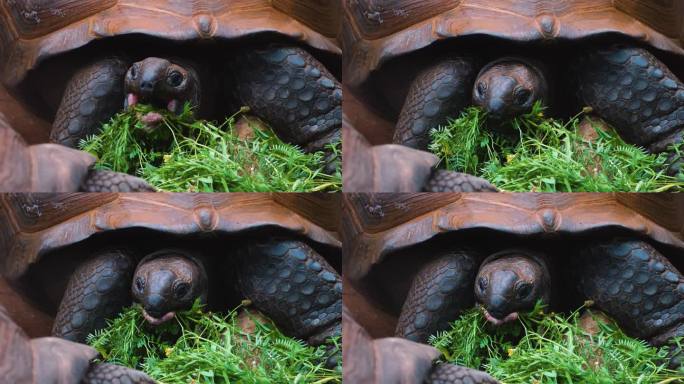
(92, 96)
(635, 284)
(295, 286)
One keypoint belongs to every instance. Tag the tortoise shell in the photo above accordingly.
(34, 30)
(377, 228)
(33, 225)
(381, 224)
(375, 32)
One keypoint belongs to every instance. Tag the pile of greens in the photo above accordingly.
(183, 154)
(549, 155)
(200, 347)
(552, 348)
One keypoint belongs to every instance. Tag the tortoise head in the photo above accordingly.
(509, 282)
(162, 83)
(168, 281)
(509, 87)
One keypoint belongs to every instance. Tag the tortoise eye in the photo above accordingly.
(482, 284)
(175, 79)
(139, 284)
(134, 72)
(523, 290)
(522, 95)
(481, 89)
(181, 289)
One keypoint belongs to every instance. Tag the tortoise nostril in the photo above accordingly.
(147, 86)
(154, 303)
(496, 106)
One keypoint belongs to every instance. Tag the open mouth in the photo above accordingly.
(173, 105)
(158, 321)
(493, 320)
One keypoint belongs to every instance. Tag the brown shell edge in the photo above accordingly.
(23, 55)
(524, 214)
(370, 54)
(159, 212)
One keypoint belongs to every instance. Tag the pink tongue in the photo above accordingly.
(132, 100)
(173, 105)
(497, 322)
(152, 119)
(155, 321)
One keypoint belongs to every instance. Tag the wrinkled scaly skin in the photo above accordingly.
(637, 286)
(110, 373)
(92, 96)
(438, 92)
(628, 279)
(439, 293)
(449, 181)
(97, 290)
(637, 94)
(294, 92)
(285, 279)
(296, 287)
(53, 360)
(454, 374)
(108, 181)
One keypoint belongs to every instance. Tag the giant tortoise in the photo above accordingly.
(417, 257)
(76, 255)
(503, 55)
(83, 61)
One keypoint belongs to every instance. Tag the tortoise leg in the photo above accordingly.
(637, 94)
(97, 290)
(456, 374)
(438, 92)
(441, 290)
(635, 284)
(92, 96)
(294, 92)
(109, 181)
(294, 286)
(450, 181)
(110, 373)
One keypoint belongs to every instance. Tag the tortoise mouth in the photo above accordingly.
(158, 320)
(172, 105)
(497, 322)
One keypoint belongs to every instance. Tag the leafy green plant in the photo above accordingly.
(547, 155)
(200, 347)
(183, 154)
(552, 348)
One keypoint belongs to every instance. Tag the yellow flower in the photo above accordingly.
(167, 158)
(511, 351)
(510, 157)
(168, 351)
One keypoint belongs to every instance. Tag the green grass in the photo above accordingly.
(187, 155)
(200, 347)
(548, 155)
(552, 348)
